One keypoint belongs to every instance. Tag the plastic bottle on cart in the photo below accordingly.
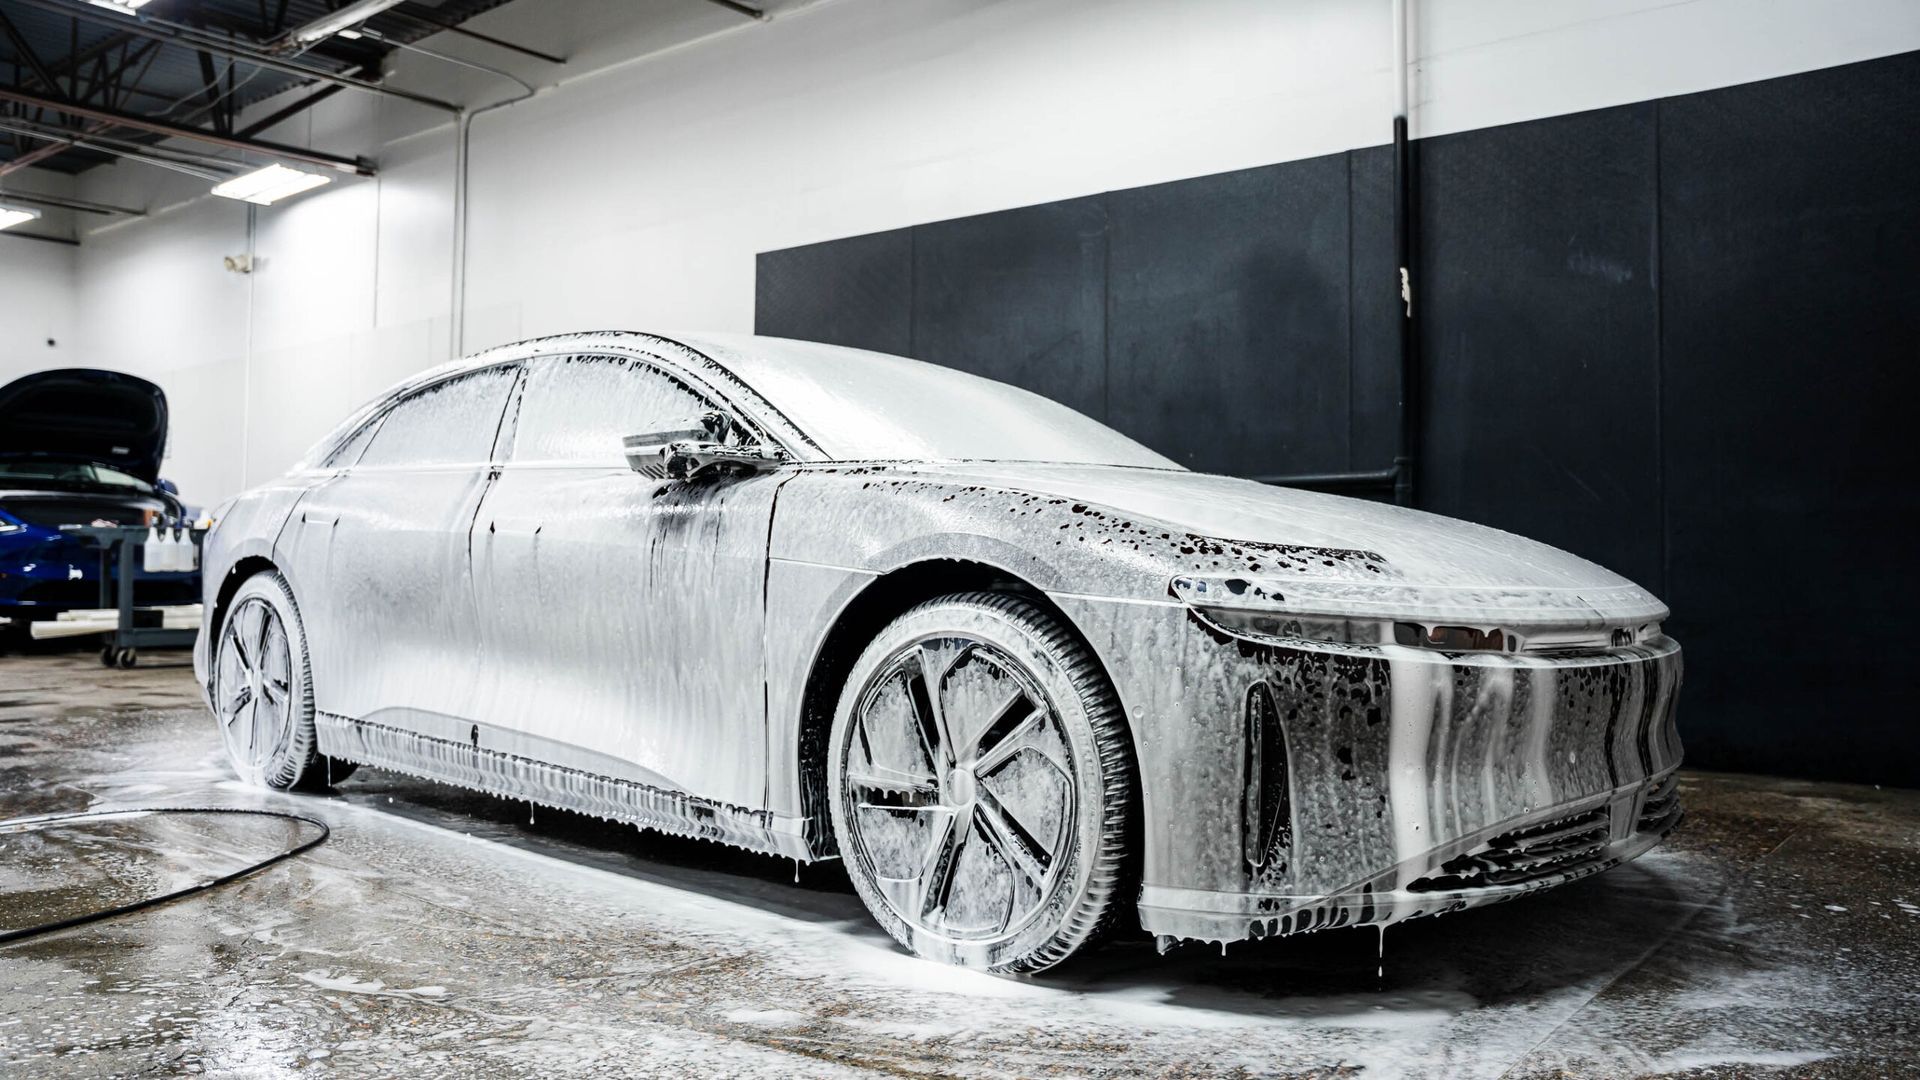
(152, 558)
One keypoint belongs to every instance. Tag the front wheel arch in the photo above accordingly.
(1085, 877)
(883, 600)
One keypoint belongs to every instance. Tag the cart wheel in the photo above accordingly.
(106, 656)
(128, 658)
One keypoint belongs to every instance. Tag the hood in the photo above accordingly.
(84, 414)
(1418, 549)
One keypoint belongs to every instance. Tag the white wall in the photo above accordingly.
(36, 306)
(637, 195)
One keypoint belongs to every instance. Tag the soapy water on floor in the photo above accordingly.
(438, 930)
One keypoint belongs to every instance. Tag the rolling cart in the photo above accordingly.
(137, 626)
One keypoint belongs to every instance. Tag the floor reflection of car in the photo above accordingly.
(78, 447)
(1027, 677)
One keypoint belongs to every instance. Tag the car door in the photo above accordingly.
(382, 571)
(621, 615)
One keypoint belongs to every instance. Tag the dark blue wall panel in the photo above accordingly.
(1790, 232)
(857, 291)
(1020, 297)
(1227, 318)
(1537, 333)
(1679, 338)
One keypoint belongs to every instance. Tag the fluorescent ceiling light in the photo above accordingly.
(124, 7)
(14, 215)
(332, 23)
(270, 184)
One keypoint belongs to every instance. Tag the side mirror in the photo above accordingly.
(697, 446)
(686, 460)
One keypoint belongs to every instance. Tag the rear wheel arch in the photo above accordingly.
(292, 760)
(237, 575)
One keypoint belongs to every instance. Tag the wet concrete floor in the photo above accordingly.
(440, 933)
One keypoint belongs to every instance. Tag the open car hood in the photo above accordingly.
(84, 414)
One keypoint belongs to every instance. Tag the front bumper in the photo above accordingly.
(1290, 787)
(1552, 847)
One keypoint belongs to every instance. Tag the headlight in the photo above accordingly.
(1279, 626)
(1443, 618)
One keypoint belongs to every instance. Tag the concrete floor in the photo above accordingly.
(441, 933)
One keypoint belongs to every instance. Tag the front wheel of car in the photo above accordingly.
(263, 690)
(982, 784)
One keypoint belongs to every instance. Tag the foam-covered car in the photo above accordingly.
(79, 446)
(1023, 674)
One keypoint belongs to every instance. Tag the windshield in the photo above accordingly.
(867, 406)
(42, 470)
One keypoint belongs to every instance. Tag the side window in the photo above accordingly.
(579, 408)
(447, 423)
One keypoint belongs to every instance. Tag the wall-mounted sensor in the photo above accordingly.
(239, 264)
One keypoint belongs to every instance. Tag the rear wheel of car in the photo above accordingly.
(982, 784)
(263, 690)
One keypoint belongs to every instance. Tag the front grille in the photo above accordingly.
(1524, 855)
(1660, 811)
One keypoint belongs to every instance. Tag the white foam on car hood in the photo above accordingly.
(1422, 548)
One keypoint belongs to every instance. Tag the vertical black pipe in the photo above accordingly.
(1403, 206)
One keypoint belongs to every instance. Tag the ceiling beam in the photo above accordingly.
(291, 108)
(179, 131)
(35, 157)
(25, 52)
(205, 168)
(18, 235)
(142, 54)
(79, 9)
(210, 89)
(420, 14)
(64, 203)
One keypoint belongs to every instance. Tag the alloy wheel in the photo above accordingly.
(254, 686)
(959, 779)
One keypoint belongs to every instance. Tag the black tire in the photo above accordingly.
(276, 747)
(985, 816)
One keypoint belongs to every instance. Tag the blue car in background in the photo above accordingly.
(79, 446)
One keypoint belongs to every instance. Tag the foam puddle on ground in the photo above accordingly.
(63, 867)
(1440, 1023)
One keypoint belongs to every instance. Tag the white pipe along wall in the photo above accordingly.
(635, 188)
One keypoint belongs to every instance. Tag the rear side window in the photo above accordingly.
(578, 408)
(450, 422)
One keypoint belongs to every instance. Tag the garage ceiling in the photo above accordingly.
(119, 81)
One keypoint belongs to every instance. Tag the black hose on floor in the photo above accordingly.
(153, 901)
